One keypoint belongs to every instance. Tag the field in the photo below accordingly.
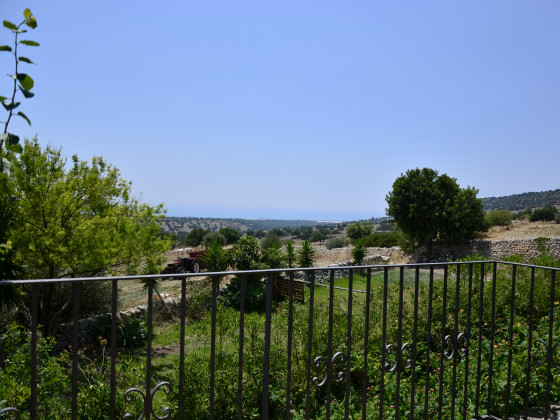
(523, 230)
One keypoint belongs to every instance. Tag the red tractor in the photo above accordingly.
(192, 263)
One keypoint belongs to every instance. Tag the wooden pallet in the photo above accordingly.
(283, 289)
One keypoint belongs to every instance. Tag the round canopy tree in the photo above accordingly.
(428, 206)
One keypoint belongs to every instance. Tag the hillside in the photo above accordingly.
(186, 224)
(529, 200)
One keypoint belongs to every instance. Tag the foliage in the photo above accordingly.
(273, 256)
(290, 253)
(359, 252)
(20, 81)
(335, 243)
(231, 235)
(216, 258)
(213, 236)
(382, 239)
(306, 254)
(545, 214)
(318, 236)
(499, 218)
(15, 377)
(77, 221)
(246, 254)
(358, 230)
(428, 206)
(270, 239)
(195, 236)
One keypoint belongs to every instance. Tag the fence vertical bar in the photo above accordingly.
(309, 346)
(510, 338)
(329, 342)
(289, 346)
(414, 343)
(33, 385)
(267, 338)
(181, 387)
(455, 340)
(349, 342)
(383, 342)
(213, 345)
(428, 343)
(75, 345)
(468, 343)
(492, 323)
(480, 338)
(113, 378)
(530, 339)
(442, 350)
(399, 354)
(366, 343)
(550, 346)
(241, 346)
(149, 402)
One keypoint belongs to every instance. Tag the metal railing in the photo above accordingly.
(453, 340)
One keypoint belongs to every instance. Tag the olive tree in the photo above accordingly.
(428, 206)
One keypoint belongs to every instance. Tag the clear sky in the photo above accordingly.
(297, 109)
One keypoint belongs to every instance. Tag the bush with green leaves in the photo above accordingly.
(335, 243)
(383, 240)
(546, 214)
(306, 254)
(499, 218)
(358, 230)
(214, 236)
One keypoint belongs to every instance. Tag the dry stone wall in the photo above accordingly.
(495, 250)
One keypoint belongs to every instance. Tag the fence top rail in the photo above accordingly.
(266, 271)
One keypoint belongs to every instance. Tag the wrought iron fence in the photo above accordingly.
(456, 340)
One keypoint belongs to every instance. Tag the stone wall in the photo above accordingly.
(495, 250)
(88, 327)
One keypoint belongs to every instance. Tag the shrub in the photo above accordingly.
(382, 240)
(359, 252)
(335, 243)
(499, 218)
(213, 236)
(545, 214)
(358, 230)
(306, 254)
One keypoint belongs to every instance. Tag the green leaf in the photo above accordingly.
(27, 13)
(16, 148)
(22, 115)
(25, 80)
(9, 25)
(5, 48)
(3, 98)
(31, 22)
(29, 43)
(25, 60)
(28, 94)
(8, 105)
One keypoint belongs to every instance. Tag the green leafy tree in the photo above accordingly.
(213, 236)
(428, 206)
(545, 214)
(78, 220)
(358, 230)
(232, 235)
(270, 239)
(196, 236)
(317, 236)
(216, 258)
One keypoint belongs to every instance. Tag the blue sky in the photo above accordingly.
(297, 109)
